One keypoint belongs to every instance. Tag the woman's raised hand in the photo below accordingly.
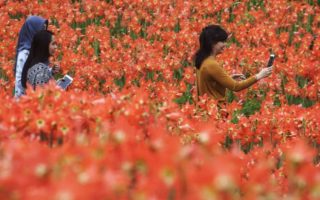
(238, 77)
(265, 72)
(56, 69)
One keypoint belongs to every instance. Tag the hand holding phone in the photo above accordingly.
(65, 81)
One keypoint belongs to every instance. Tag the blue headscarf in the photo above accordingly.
(32, 25)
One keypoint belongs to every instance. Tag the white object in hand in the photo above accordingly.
(65, 81)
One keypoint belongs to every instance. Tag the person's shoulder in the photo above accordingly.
(37, 68)
(40, 65)
(210, 63)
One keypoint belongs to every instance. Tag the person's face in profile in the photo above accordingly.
(52, 46)
(218, 48)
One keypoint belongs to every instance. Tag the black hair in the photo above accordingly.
(209, 36)
(47, 24)
(39, 52)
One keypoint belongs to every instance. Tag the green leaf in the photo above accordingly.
(166, 50)
(250, 106)
(309, 23)
(185, 63)
(231, 15)
(186, 96)
(118, 29)
(120, 82)
(276, 101)
(54, 22)
(96, 46)
(181, 100)
(16, 16)
(136, 82)
(3, 75)
(133, 35)
(227, 142)
(178, 74)
(301, 81)
(234, 117)
(177, 27)
(230, 96)
(150, 76)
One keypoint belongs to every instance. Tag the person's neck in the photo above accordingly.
(214, 53)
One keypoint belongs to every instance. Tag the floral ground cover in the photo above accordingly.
(131, 127)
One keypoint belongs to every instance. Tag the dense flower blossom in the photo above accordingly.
(131, 125)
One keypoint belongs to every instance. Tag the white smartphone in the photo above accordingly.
(65, 81)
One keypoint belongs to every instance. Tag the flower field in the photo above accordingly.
(131, 127)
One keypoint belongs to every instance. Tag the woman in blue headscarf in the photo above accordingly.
(32, 25)
(36, 70)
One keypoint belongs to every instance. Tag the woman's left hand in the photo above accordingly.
(56, 69)
(238, 77)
